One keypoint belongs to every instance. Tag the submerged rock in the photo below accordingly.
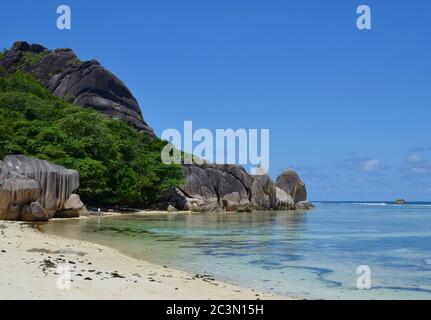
(304, 205)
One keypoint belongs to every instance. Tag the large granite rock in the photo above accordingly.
(87, 84)
(290, 182)
(16, 191)
(33, 189)
(211, 187)
(208, 185)
(263, 192)
(73, 208)
(265, 195)
(231, 201)
(283, 201)
(33, 212)
(199, 186)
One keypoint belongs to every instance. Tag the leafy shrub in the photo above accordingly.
(29, 58)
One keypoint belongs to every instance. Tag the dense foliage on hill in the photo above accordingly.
(118, 165)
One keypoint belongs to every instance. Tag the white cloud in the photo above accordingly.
(412, 158)
(417, 164)
(419, 170)
(370, 165)
(363, 164)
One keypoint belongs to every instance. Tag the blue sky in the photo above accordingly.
(349, 109)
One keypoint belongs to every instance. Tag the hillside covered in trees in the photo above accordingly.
(118, 164)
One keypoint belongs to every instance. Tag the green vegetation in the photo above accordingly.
(29, 58)
(2, 55)
(117, 164)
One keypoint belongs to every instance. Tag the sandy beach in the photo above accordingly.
(30, 263)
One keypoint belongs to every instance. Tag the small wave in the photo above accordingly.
(419, 205)
(371, 203)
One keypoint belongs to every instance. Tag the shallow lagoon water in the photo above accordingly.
(312, 255)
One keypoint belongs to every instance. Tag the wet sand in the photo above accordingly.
(34, 266)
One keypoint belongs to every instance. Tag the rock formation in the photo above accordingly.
(208, 187)
(87, 84)
(73, 208)
(212, 187)
(290, 182)
(400, 201)
(304, 205)
(33, 189)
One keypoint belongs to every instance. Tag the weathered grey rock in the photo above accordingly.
(290, 182)
(225, 183)
(263, 193)
(231, 201)
(11, 58)
(245, 208)
(25, 180)
(283, 201)
(304, 205)
(33, 212)
(171, 209)
(16, 190)
(198, 185)
(237, 171)
(213, 207)
(178, 199)
(207, 184)
(73, 203)
(210, 186)
(73, 208)
(87, 84)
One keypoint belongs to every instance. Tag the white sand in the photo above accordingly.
(23, 250)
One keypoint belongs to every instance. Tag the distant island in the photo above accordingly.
(400, 201)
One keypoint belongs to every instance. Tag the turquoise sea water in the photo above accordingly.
(313, 255)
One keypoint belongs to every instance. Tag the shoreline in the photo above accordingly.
(97, 272)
